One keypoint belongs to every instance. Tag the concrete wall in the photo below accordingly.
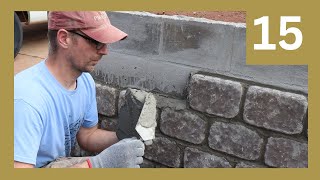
(161, 52)
(213, 110)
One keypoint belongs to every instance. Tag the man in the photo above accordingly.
(55, 102)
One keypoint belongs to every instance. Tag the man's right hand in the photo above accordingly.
(127, 153)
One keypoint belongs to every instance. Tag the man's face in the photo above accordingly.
(85, 53)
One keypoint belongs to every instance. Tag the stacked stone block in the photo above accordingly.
(221, 123)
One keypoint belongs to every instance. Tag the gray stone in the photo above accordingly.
(164, 102)
(275, 110)
(183, 125)
(249, 165)
(306, 128)
(164, 151)
(236, 140)
(194, 158)
(106, 100)
(281, 152)
(215, 95)
(109, 124)
(149, 164)
(121, 99)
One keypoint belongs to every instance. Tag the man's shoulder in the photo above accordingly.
(29, 74)
(87, 80)
(28, 78)
(29, 84)
(87, 77)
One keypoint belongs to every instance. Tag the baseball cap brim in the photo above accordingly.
(105, 34)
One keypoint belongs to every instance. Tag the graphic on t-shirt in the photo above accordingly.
(70, 134)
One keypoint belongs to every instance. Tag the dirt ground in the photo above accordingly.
(227, 16)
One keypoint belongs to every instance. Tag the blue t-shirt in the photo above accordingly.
(47, 116)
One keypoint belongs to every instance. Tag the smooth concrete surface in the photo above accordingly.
(122, 71)
(162, 51)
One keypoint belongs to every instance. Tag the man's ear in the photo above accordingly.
(63, 39)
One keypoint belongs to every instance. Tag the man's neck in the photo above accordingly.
(63, 72)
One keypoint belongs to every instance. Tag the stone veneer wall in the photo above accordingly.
(222, 122)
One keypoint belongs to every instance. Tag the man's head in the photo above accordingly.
(94, 24)
(67, 29)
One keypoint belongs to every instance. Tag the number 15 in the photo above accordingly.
(283, 32)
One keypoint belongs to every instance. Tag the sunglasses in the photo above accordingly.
(98, 44)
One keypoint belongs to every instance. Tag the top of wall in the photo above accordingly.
(161, 51)
(183, 18)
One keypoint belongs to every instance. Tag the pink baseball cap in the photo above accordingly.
(94, 24)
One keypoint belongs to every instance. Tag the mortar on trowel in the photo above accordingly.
(137, 116)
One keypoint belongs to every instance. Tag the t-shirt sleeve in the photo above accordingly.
(91, 114)
(28, 128)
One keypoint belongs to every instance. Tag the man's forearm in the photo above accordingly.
(100, 140)
(25, 165)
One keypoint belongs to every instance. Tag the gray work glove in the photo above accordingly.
(127, 153)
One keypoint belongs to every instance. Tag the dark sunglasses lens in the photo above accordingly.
(100, 46)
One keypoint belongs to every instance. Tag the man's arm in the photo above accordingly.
(17, 164)
(26, 165)
(127, 153)
(94, 139)
(90, 139)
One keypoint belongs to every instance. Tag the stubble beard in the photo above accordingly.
(85, 68)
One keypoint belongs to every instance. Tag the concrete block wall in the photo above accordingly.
(160, 52)
(213, 110)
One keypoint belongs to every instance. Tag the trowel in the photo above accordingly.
(137, 117)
